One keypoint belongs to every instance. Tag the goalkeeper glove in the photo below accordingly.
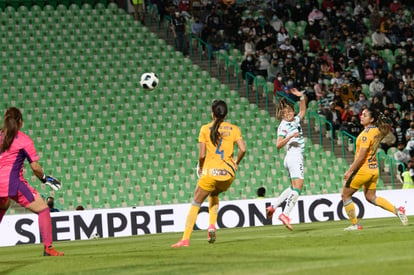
(52, 182)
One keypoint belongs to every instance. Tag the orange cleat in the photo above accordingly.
(181, 243)
(50, 251)
(211, 234)
(269, 212)
(286, 221)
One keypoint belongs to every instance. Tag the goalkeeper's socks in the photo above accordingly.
(291, 201)
(350, 211)
(45, 226)
(191, 219)
(213, 202)
(282, 197)
(385, 204)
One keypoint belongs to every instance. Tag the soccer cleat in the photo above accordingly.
(211, 234)
(181, 243)
(353, 227)
(50, 251)
(402, 216)
(286, 221)
(269, 212)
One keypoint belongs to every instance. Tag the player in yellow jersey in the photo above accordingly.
(363, 172)
(216, 170)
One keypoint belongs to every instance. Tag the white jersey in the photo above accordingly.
(289, 127)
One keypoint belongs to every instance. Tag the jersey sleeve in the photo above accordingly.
(236, 133)
(31, 153)
(281, 131)
(203, 136)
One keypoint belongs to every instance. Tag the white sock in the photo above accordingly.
(291, 202)
(282, 197)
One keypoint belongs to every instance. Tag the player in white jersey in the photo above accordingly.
(290, 136)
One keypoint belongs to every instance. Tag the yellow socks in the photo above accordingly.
(350, 211)
(213, 202)
(384, 204)
(191, 219)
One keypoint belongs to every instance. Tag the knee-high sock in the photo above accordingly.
(282, 197)
(191, 219)
(291, 201)
(213, 202)
(385, 204)
(45, 227)
(350, 211)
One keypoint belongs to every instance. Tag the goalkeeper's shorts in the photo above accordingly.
(25, 194)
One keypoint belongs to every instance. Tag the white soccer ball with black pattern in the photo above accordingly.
(149, 81)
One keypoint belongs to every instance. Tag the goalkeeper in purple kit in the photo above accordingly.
(15, 147)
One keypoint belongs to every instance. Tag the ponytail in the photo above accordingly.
(381, 121)
(11, 127)
(219, 109)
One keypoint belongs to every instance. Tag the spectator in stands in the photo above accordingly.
(261, 192)
(282, 37)
(337, 79)
(333, 115)
(376, 104)
(353, 52)
(273, 70)
(346, 116)
(213, 19)
(409, 132)
(196, 29)
(315, 44)
(356, 176)
(15, 147)
(353, 126)
(408, 176)
(249, 65)
(276, 23)
(216, 173)
(315, 15)
(376, 87)
(278, 84)
(263, 44)
(409, 103)
(399, 134)
(375, 20)
(50, 201)
(360, 103)
(380, 41)
(287, 47)
(138, 10)
(79, 208)
(215, 42)
(395, 6)
(297, 43)
(312, 28)
(353, 70)
(262, 64)
(178, 27)
(297, 13)
(408, 76)
(290, 134)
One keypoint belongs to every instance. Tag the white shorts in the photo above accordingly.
(294, 164)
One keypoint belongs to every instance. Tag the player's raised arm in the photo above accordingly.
(302, 104)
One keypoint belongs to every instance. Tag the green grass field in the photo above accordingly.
(384, 246)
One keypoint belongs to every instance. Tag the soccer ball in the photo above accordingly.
(149, 81)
